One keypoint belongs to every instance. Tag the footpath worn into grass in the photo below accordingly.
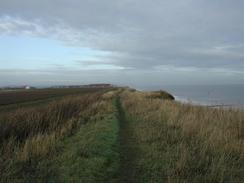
(145, 154)
(90, 155)
(102, 151)
(126, 147)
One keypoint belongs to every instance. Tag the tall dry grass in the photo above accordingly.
(184, 143)
(28, 135)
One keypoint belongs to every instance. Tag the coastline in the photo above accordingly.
(214, 105)
(204, 101)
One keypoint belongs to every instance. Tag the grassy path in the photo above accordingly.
(102, 151)
(89, 156)
(126, 147)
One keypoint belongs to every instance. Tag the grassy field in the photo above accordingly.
(120, 135)
(22, 96)
(54, 141)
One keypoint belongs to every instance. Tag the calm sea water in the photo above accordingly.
(205, 94)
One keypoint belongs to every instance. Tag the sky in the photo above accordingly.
(129, 42)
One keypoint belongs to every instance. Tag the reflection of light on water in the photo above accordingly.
(207, 102)
(188, 101)
(181, 99)
(210, 103)
(206, 95)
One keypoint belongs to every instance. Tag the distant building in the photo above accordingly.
(27, 87)
(100, 85)
(23, 87)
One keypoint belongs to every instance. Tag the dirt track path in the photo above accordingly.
(127, 148)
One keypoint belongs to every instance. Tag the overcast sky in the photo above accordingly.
(129, 42)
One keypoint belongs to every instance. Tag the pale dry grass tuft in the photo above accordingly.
(30, 134)
(37, 147)
(198, 144)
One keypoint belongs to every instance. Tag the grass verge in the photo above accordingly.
(70, 140)
(89, 156)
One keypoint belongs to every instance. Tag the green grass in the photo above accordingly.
(127, 145)
(159, 95)
(95, 157)
(89, 156)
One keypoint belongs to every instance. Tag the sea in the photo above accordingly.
(210, 95)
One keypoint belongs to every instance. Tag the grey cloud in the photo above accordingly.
(92, 62)
(139, 34)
